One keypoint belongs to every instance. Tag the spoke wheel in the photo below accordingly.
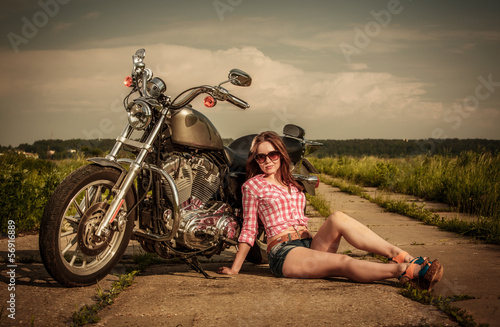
(70, 250)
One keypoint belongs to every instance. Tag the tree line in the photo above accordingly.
(404, 148)
(61, 149)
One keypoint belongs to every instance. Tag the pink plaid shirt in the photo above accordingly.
(276, 208)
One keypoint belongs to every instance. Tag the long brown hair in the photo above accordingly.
(284, 173)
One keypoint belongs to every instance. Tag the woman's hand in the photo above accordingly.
(238, 261)
(226, 271)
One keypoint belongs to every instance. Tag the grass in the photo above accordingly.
(469, 181)
(88, 313)
(481, 229)
(320, 204)
(484, 229)
(25, 187)
(444, 304)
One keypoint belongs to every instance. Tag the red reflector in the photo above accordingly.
(209, 102)
(317, 184)
(128, 81)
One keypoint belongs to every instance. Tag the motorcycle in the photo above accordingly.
(180, 197)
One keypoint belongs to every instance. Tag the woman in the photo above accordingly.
(272, 194)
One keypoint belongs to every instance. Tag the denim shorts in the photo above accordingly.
(279, 252)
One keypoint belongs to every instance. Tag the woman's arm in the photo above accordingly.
(248, 231)
(243, 249)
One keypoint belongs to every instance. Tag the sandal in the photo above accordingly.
(432, 276)
(400, 258)
(430, 273)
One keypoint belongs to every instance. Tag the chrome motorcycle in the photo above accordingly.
(180, 197)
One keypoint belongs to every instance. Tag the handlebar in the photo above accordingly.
(237, 102)
(237, 77)
(190, 97)
(217, 92)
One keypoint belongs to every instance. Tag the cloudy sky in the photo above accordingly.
(341, 69)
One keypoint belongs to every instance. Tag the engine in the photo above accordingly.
(204, 221)
(197, 179)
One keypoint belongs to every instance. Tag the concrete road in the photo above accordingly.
(174, 295)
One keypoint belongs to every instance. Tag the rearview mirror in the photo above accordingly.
(239, 78)
(141, 53)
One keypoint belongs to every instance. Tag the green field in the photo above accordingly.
(26, 185)
(469, 182)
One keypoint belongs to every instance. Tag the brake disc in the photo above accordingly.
(89, 243)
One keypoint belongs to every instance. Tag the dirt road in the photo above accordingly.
(174, 295)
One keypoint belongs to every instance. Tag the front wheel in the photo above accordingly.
(71, 252)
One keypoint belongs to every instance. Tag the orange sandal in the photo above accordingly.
(400, 258)
(430, 273)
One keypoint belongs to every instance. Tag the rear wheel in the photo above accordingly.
(71, 252)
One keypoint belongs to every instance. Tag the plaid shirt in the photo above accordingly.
(276, 208)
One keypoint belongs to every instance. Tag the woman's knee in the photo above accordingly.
(338, 217)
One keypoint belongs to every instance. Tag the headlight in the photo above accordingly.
(139, 115)
(156, 87)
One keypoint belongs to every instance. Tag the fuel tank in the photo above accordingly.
(191, 128)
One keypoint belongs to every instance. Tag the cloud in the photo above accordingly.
(82, 80)
(92, 15)
(62, 26)
(390, 39)
(358, 66)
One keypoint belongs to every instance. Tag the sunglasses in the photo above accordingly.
(261, 158)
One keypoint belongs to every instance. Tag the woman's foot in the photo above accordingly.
(422, 274)
(413, 269)
(402, 257)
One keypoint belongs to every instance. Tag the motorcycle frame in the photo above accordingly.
(131, 174)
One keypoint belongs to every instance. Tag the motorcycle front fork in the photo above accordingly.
(134, 169)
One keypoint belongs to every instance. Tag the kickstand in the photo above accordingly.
(195, 265)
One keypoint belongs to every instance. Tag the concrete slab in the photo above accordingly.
(256, 298)
(171, 295)
(471, 268)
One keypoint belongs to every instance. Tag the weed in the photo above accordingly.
(25, 187)
(484, 229)
(379, 257)
(88, 313)
(144, 260)
(468, 181)
(443, 304)
(481, 229)
(320, 204)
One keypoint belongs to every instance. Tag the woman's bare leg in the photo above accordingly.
(307, 263)
(339, 225)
